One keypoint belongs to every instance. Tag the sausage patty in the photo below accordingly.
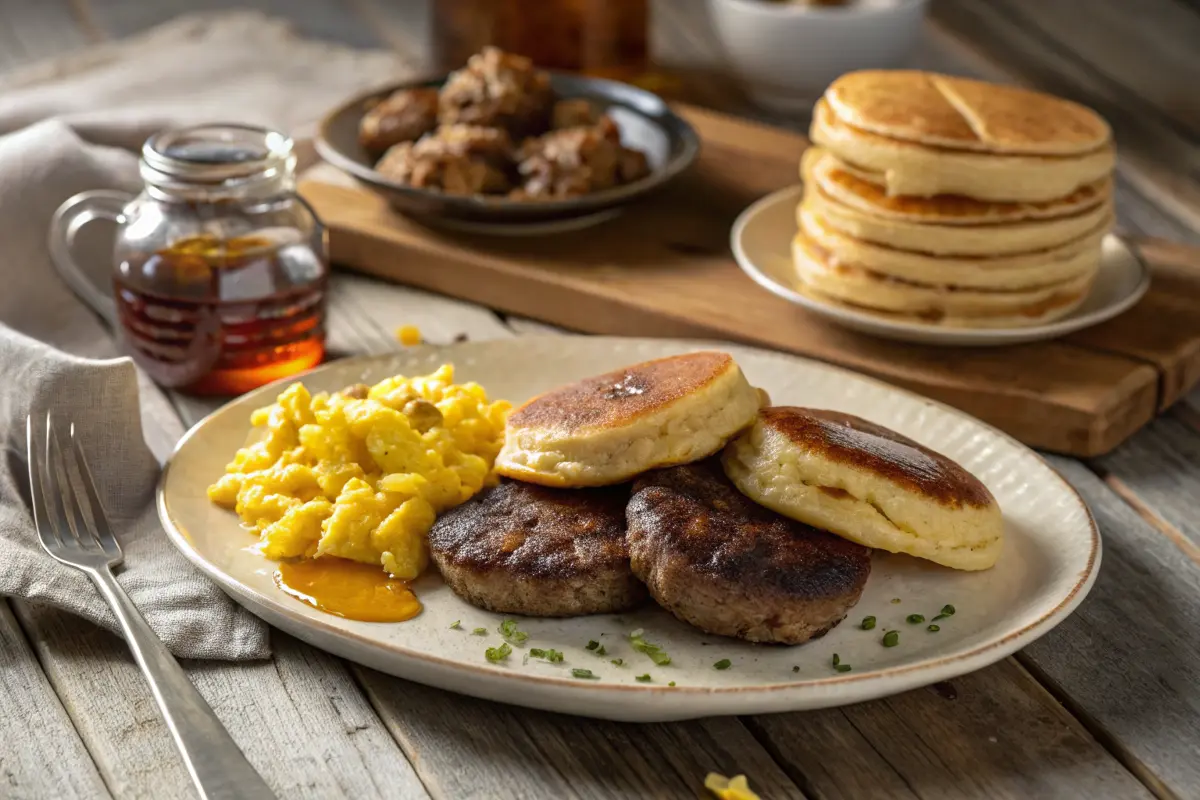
(524, 549)
(719, 561)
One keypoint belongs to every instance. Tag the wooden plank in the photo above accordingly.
(1127, 662)
(1159, 470)
(42, 755)
(467, 748)
(299, 718)
(628, 278)
(994, 733)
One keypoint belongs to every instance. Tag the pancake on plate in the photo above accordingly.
(867, 484)
(719, 561)
(936, 238)
(957, 306)
(524, 549)
(965, 114)
(862, 191)
(612, 427)
(911, 168)
(1015, 271)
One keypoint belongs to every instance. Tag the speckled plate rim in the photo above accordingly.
(885, 327)
(558, 692)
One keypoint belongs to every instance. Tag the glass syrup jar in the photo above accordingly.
(219, 267)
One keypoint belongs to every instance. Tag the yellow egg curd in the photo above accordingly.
(361, 474)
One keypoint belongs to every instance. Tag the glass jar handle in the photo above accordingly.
(70, 217)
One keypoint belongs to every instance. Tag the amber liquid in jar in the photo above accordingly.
(214, 316)
(602, 38)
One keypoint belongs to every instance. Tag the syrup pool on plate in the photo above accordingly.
(348, 589)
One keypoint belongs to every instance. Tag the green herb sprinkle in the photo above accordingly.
(868, 623)
(915, 619)
(651, 650)
(934, 628)
(891, 638)
(479, 632)
(508, 629)
(584, 674)
(644, 678)
(498, 653)
(724, 663)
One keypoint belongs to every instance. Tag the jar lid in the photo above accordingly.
(210, 157)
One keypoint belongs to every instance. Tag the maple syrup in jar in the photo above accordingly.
(220, 268)
(602, 38)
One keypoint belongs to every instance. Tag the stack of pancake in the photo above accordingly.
(951, 201)
(614, 489)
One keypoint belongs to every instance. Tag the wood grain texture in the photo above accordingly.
(994, 733)
(41, 755)
(467, 748)
(299, 718)
(1160, 467)
(1127, 662)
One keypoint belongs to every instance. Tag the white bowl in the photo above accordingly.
(786, 54)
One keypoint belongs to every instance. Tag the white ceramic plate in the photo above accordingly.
(762, 245)
(1050, 558)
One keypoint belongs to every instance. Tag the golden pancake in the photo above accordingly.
(843, 184)
(956, 240)
(868, 484)
(965, 114)
(609, 428)
(1023, 270)
(910, 168)
(950, 306)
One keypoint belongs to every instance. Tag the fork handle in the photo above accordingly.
(218, 768)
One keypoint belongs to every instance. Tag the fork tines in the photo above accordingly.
(72, 526)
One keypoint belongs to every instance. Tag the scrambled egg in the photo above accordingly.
(735, 788)
(361, 474)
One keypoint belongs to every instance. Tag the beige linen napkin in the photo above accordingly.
(73, 125)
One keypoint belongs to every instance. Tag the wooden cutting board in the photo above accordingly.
(664, 269)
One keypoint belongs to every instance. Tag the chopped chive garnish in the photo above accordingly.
(456, 624)
(508, 629)
(948, 610)
(479, 632)
(653, 651)
(891, 638)
(592, 645)
(795, 669)
(584, 674)
(600, 651)
(553, 656)
(644, 678)
(498, 653)
(724, 663)
(616, 662)
(842, 667)
(836, 659)
(940, 617)
(868, 623)
(934, 628)
(895, 601)
(672, 683)
(915, 619)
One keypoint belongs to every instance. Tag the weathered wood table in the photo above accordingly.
(1106, 706)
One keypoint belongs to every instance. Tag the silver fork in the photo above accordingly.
(217, 766)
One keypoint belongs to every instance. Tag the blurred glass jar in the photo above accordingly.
(601, 38)
(219, 267)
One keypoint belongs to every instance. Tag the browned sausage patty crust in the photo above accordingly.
(725, 564)
(518, 548)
